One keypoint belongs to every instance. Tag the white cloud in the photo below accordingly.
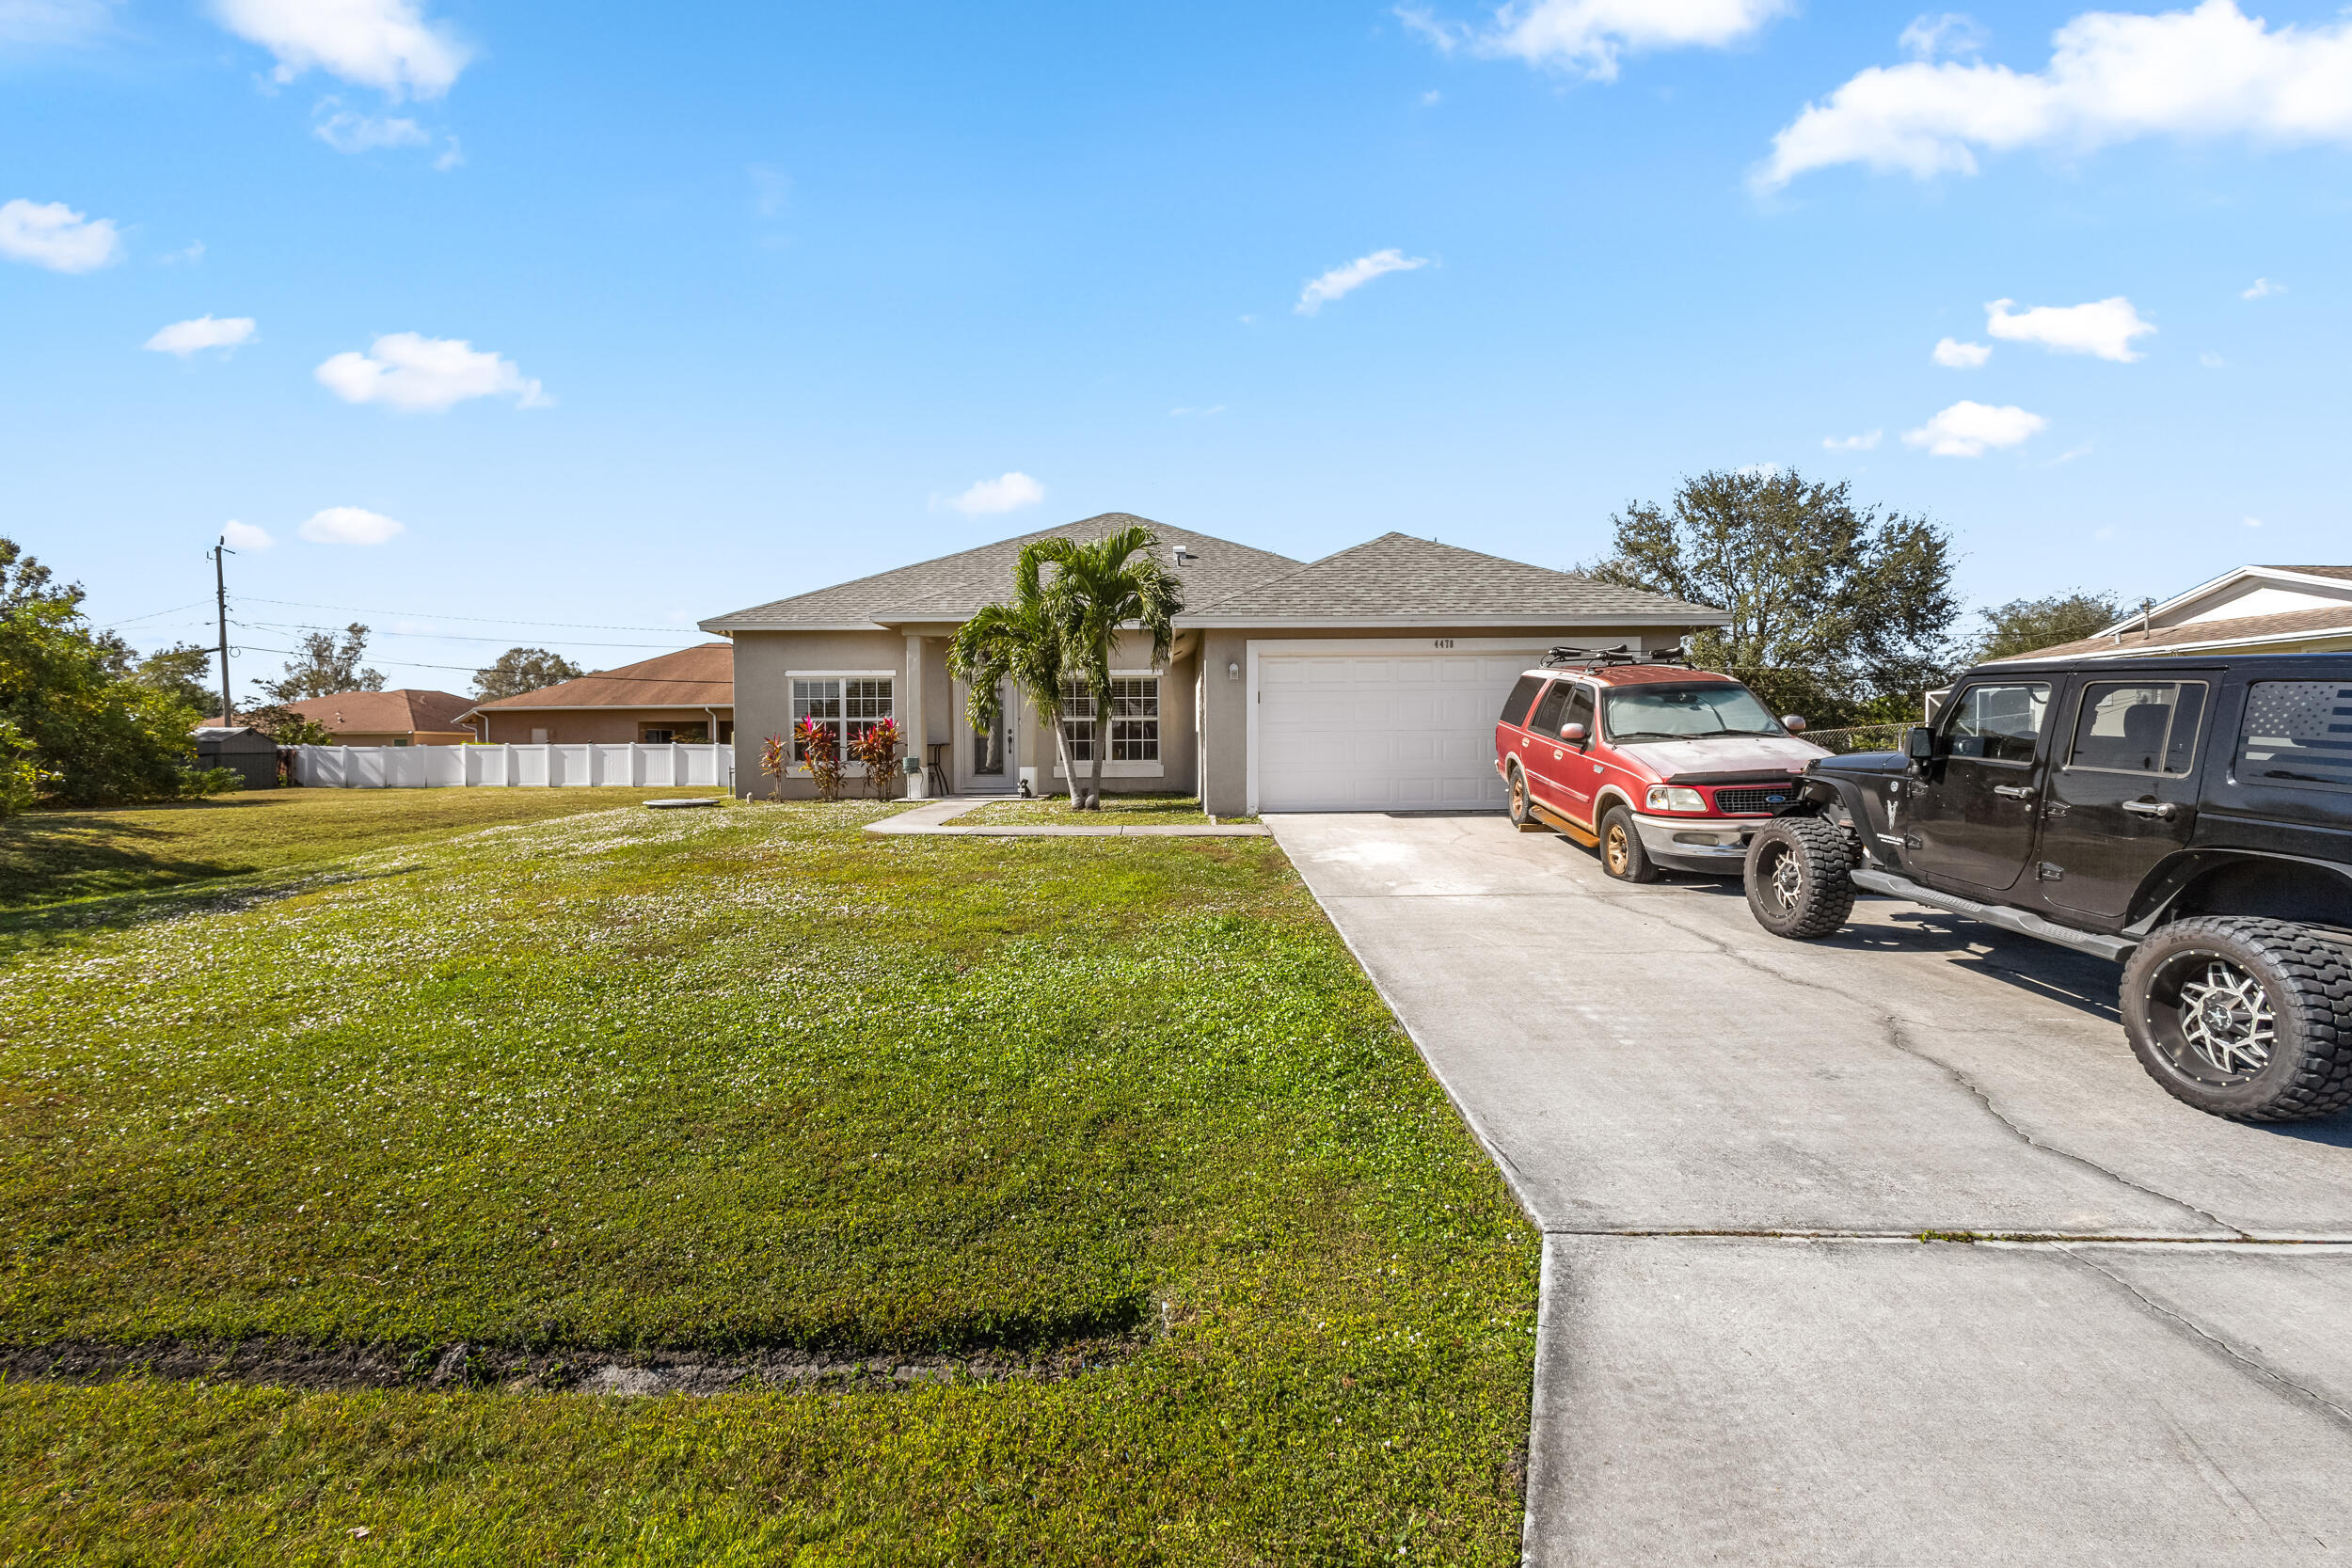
(189, 256)
(411, 373)
(346, 131)
(387, 44)
(348, 525)
(189, 337)
(1966, 429)
(1953, 33)
(2105, 327)
(1342, 281)
(2249, 522)
(31, 24)
(1006, 492)
(1431, 99)
(1953, 355)
(245, 536)
(2211, 361)
(2113, 78)
(51, 234)
(1867, 441)
(2262, 288)
(451, 155)
(1589, 37)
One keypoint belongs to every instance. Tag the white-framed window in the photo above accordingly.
(1135, 719)
(846, 704)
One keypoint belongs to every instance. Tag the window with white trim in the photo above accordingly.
(1135, 719)
(846, 704)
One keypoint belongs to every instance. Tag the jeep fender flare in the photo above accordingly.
(2186, 870)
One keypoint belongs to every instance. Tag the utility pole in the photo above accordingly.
(220, 584)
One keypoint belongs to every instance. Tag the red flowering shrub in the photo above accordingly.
(877, 747)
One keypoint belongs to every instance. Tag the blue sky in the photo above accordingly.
(631, 318)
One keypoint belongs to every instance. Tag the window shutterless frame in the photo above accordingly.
(2190, 701)
(1959, 707)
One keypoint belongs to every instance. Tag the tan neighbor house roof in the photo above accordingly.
(2192, 636)
(408, 710)
(699, 676)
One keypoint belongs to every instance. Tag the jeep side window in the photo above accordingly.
(1514, 706)
(2298, 733)
(1580, 709)
(1998, 723)
(1547, 719)
(2131, 727)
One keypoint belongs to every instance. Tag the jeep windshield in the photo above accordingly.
(1687, 713)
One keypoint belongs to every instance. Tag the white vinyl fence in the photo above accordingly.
(451, 767)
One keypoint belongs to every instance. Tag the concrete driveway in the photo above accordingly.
(1734, 1144)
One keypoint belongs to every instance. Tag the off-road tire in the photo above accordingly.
(1523, 815)
(2305, 977)
(1621, 852)
(1799, 877)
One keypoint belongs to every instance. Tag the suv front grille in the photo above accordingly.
(1758, 801)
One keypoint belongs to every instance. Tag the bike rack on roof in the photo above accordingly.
(1590, 659)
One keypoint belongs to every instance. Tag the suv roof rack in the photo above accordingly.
(1600, 658)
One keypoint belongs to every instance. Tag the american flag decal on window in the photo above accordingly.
(2298, 732)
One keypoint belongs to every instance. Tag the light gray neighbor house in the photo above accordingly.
(1368, 680)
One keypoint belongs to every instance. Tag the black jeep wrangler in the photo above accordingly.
(2190, 818)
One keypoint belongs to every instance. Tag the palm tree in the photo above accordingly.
(1021, 641)
(1099, 589)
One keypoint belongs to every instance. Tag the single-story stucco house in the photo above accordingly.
(688, 696)
(1368, 680)
(2250, 609)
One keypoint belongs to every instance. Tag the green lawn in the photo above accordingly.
(749, 1078)
(1119, 811)
(50, 856)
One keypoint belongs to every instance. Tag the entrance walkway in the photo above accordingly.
(1871, 1251)
(931, 818)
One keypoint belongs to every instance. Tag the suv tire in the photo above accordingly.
(1798, 876)
(1523, 815)
(2244, 1017)
(1621, 852)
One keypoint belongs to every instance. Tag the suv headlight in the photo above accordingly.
(1669, 798)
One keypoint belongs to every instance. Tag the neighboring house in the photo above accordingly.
(685, 696)
(2253, 610)
(408, 717)
(1369, 679)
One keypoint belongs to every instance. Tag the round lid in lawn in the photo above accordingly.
(700, 801)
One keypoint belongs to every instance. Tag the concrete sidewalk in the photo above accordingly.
(1733, 1145)
(930, 818)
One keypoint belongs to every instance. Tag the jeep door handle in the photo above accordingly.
(2163, 811)
(2015, 792)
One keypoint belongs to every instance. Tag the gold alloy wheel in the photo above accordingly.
(1518, 796)
(1617, 849)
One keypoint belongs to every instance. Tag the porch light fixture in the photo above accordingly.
(1232, 670)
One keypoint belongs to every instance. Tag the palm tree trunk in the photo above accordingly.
(1061, 754)
(1101, 744)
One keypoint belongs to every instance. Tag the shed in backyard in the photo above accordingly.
(243, 750)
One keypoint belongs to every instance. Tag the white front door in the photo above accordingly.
(1380, 731)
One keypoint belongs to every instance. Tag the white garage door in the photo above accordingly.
(1401, 732)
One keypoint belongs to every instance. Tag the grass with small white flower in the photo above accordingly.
(725, 1080)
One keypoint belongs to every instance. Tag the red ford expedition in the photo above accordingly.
(1653, 761)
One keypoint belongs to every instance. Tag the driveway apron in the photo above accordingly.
(1877, 1250)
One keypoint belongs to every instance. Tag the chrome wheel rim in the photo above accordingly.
(1787, 881)
(2213, 1020)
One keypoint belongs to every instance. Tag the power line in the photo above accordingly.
(134, 620)
(428, 615)
(443, 636)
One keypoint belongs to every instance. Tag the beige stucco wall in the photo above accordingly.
(572, 725)
(765, 662)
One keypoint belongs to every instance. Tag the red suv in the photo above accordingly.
(1655, 762)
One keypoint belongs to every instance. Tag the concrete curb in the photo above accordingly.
(930, 819)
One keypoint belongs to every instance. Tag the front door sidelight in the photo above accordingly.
(1974, 815)
(2122, 791)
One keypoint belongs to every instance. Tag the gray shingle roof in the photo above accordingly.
(954, 586)
(1397, 577)
(2314, 571)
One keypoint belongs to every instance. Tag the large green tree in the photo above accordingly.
(98, 732)
(2022, 625)
(521, 669)
(325, 666)
(1840, 612)
(184, 672)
